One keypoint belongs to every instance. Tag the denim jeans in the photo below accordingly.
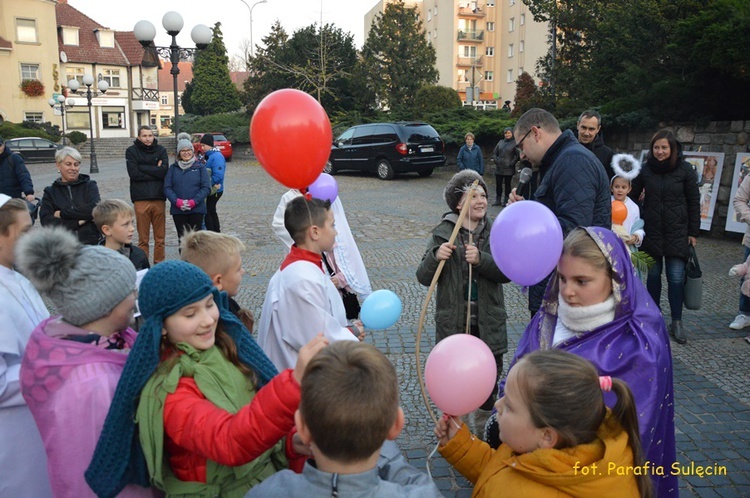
(675, 284)
(744, 300)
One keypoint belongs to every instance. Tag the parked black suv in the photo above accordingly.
(387, 149)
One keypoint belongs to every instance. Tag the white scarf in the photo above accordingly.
(585, 318)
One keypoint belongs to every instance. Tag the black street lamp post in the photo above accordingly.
(145, 32)
(63, 105)
(103, 86)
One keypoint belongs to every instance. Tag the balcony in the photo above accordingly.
(145, 94)
(475, 10)
(471, 36)
(470, 61)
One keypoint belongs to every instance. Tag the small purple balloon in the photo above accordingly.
(324, 187)
(526, 242)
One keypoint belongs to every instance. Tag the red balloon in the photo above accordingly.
(291, 136)
(619, 212)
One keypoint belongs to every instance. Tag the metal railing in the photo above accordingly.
(470, 61)
(475, 35)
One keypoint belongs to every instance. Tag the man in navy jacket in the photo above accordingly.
(573, 183)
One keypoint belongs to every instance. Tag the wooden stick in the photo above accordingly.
(422, 315)
(468, 296)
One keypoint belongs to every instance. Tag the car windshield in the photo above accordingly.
(220, 138)
(420, 133)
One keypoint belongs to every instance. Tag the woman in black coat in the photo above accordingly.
(71, 199)
(671, 213)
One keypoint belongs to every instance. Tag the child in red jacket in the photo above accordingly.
(212, 411)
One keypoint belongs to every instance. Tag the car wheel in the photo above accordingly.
(385, 170)
(329, 168)
(229, 159)
(425, 173)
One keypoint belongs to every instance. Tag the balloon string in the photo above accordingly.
(468, 293)
(423, 313)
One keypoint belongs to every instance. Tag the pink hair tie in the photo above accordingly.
(605, 383)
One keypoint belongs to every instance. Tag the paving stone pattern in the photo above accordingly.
(392, 221)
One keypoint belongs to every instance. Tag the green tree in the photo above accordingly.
(212, 90)
(434, 98)
(526, 95)
(396, 58)
(265, 77)
(656, 59)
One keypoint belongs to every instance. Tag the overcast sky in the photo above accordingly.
(234, 16)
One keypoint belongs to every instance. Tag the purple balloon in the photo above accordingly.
(526, 242)
(324, 187)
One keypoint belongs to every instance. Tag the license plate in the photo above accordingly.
(427, 149)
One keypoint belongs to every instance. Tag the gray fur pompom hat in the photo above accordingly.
(457, 187)
(83, 282)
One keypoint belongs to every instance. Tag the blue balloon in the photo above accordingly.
(380, 310)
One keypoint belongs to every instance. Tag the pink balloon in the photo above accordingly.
(324, 187)
(460, 374)
(526, 242)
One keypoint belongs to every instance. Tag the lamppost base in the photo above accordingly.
(94, 165)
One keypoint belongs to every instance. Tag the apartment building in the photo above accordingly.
(482, 44)
(28, 52)
(165, 115)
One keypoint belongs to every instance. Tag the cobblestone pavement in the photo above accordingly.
(391, 222)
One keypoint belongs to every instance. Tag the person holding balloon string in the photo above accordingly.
(559, 437)
(596, 307)
(301, 300)
(626, 216)
(470, 278)
(344, 262)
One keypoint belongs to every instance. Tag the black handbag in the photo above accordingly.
(351, 304)
(693, 282)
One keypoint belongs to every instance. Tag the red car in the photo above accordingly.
(220, 142)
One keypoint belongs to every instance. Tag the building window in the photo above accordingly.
(26, 31)
(112, 76)
(113, 117)
(462, 76)
(512, 2)
(523, 19)
(34, 117)
(490, 3)
(510, 50)
(489, 51)
(29, 72)
(520, 70)
(511, 24)
(77, 119)
(434, 11)
(164, 100)
(490, 26)
(434, 34)
(520, 46)
(74, 73)
(429, 15)
(70, 35)
(488, 75)
(510, 76)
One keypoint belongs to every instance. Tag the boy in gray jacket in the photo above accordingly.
(349, 408)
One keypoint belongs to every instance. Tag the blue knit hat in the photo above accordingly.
(166, 288)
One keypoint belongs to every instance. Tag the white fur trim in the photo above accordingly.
(586, 318)
(626, 166)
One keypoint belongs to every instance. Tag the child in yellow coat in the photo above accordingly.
(559, 439)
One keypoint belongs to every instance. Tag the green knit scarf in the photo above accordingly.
(225, 386)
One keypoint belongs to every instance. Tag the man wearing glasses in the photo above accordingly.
(573, 184)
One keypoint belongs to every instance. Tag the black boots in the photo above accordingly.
(676, 331)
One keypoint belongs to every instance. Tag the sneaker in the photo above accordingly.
(747, 339)
(740, 322)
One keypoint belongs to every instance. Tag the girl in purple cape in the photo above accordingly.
(596, 307)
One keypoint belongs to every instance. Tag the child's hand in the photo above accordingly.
(444, 251)
(446, 428)
(472, 254)
(306, 353)
(360, 327)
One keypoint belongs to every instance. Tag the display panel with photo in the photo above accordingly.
(741, 169)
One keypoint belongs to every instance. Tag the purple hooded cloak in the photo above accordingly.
(633, 347)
